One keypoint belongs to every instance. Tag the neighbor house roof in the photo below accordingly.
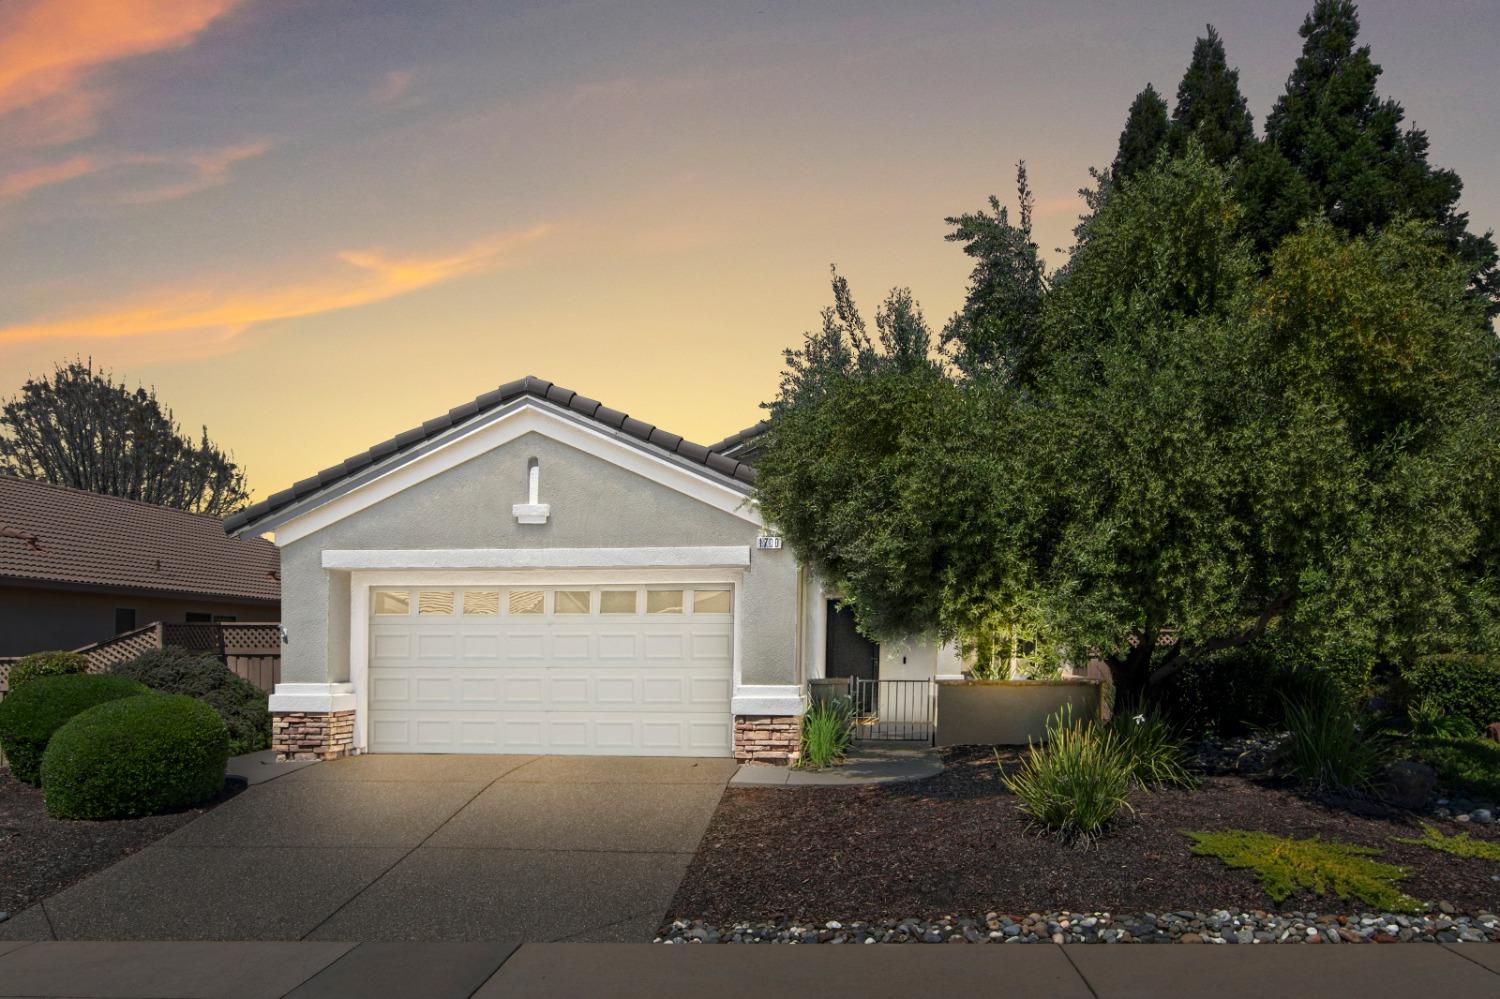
(530, 386)
(53, 535)
(742, 445)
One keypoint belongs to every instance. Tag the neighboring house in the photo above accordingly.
(535, 572)
(77, 567)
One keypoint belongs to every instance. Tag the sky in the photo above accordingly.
(313, 224)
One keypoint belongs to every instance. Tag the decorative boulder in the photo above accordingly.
(1406, 784)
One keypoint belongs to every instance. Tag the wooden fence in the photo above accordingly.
(251, 650)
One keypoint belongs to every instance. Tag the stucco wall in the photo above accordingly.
(33, 620)
(595, 504)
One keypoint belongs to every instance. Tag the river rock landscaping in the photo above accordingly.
(953, 859)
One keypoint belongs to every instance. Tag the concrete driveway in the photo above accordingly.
(383, 848)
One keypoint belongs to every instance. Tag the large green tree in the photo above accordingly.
(1144, 136)
(1207, 451)
(1210, 108)
(78, 428)
(1361, 167)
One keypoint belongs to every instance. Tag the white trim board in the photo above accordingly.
(471, 440)
(706, 557)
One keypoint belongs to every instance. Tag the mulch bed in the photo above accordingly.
(958, 843)
(40, 856)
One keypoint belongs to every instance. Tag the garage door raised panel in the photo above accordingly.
(615, 670)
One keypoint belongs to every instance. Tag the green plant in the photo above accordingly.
(1327, 746)
(1466, 686)
(1427, 718)
(136, 756)
(1459, 844)
(28, 668)
(31, 715)
(1285, 865)
(827, 728)
(1155, 750)
(239, 702)
(1468, 766)
(1076, 781)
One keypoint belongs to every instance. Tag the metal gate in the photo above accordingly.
(894, 710)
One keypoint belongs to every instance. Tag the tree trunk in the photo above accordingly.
(1131, 673)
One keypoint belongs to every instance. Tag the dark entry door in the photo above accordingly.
(849, 652)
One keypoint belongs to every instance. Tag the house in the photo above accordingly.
(78, 567)
(535, 572)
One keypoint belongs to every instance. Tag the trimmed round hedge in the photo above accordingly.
(137, 756)
(32, 714)
(39, 664)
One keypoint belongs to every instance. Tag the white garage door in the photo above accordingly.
(614, 670)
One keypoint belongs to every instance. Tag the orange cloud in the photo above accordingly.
(30, 179)
(49, 48)
(368, 276)
(203, 170)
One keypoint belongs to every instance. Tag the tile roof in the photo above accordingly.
(53, 534)
(743, 443)
(536, 388)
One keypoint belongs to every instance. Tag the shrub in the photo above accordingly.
(1460, 845)
(1327, 746)
(1465, 686)
(1156, 753)
(37, 664)
(1427, 719)
(31, 715)
(827, 728)
(239, 702)
(136, 756)
(1284, 865)
(1467, 766)
(1076, 781)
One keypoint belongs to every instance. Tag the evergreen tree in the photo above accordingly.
(1362, 168)
(1144, 136)
(1210, 106)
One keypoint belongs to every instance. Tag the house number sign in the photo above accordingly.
(768, 541)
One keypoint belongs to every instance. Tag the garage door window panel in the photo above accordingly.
(526, 602)
(392, 603)
(617, 602)
(663, 601)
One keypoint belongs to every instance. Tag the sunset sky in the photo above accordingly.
(312, 224)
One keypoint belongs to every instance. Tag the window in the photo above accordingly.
(481, 602)
(392, 602)
(439, 602)
(663, 601)
(617, 602)
(124, 619)
(570, 602)
(711, 602)
(526, 601)
(198, 617)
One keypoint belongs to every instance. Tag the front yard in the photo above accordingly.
(957, 845)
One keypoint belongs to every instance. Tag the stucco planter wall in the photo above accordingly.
(1008, 712)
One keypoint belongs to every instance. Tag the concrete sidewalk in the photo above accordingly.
(264, 970)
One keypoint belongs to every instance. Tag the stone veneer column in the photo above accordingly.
(767, 738)
(307, 735)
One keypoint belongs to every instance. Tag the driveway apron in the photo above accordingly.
(389, 848)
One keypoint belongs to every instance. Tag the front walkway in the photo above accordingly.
(543, 971)
(867, 763)
(451, 848)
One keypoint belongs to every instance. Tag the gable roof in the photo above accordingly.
(711, 462)
(54, 535)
